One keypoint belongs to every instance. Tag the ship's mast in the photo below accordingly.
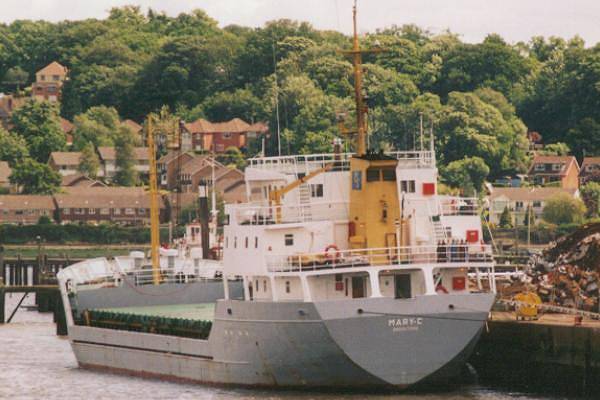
(361, 106)
(154, 210)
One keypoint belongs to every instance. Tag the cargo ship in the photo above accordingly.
(343, 270)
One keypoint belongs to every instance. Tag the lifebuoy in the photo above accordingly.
(332, 256)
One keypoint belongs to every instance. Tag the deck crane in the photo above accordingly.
(275, 196)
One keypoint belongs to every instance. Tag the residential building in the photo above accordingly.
(48, 82)
(80, 180)
(9, 103)
(218, 136)
(67, 127)
(25, 209)
(590, 170)
(108, 160)
(519, 200)
(558, 171)
(169, 165)
(5, 172)
(65, 162)
(122, 205)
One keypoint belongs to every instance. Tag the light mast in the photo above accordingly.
(154, 210)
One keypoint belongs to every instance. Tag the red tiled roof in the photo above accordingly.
(235, 125)
(529, 193)
(65, 157)
(567, 161)
(109, 153)
(26, 202)
(590, 161)
(104, 197)
(54, 68)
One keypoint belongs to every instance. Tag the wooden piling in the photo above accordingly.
(1, 305)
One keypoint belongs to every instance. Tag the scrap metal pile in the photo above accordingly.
(568, 272)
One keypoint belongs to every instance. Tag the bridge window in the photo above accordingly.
(287, 286)
(289, 239)
(316, 190)
(373, 174)
(388, 174)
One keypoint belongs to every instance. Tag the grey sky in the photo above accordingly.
(472, 19)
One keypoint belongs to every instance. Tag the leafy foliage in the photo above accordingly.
(13, 148)
(89, 162)
(35, 178)
(563, 209)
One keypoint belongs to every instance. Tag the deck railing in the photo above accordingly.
(459, 255)
(458, 205)
(266, 215)
(309, 162)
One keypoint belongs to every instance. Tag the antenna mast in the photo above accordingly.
(154, 213)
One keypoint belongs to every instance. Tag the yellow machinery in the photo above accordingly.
(527, 305)
(154, 206)
(275, 196)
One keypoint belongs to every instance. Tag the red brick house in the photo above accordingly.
(218, 136)
(169, 164)
(590, 170)
(122, 205)
(48, 82)
(559, 171)
(25, 209)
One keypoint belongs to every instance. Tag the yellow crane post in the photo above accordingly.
(154, 208)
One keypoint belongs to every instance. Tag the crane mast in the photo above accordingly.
(154, 208)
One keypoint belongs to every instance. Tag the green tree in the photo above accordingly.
(590, 194)
(505, 218)
(39, 124)
(35, 178)
(126, 174)
(232, 157)
(563, 209)
(13, 148)
(468, 171)
(98, 125)
(16, 76)
(556, 149)
(89, 162)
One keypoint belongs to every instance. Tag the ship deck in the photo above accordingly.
(199, 311)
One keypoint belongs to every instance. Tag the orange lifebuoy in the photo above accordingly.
(332, 256)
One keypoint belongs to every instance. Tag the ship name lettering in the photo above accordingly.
(404, 322)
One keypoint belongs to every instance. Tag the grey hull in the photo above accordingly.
(351, 343)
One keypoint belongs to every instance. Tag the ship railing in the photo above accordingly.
(453, 205)
(459, 255)
(309, 162)
(267, 215)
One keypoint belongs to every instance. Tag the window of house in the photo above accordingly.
(539, 167)
(372, 174)
(91, 211)
(66, 211)
(117, 211)
(388, 174)
(226, 135)
(56, 77)
(287, 286)
(289, 239)
(129, 211)
(19, 212)
(518, 205)
(316, 190)
(537, 204)
(104, 211)
(141, 211)
(42, 77)
(78, 211)
(556, 167)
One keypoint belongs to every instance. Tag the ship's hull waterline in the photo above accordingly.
(359, 343)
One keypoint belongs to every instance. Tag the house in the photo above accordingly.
(9, 103)
(518, 200)
(25, 209)
(590, 170)
(80, 180)
(134, 126)
(168, 165)
(121, 205)
(65, 162)
(218, 136)
(48, 82)
(558, 171)
(5, 172)
(108, 159)
(67, 127)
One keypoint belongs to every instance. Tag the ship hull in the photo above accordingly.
(359, 343)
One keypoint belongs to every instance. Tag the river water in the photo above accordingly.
(36, 364)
